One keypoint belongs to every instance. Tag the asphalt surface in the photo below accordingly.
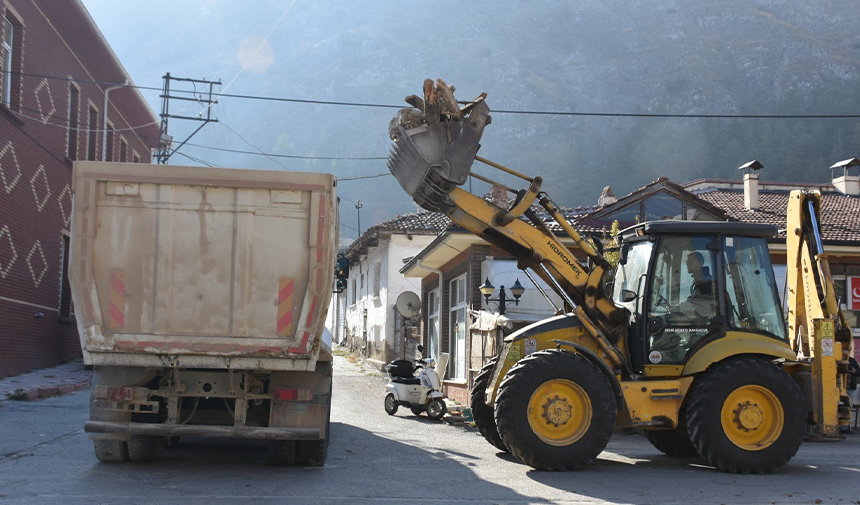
(45, 457)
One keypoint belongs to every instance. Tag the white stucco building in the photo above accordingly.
(370, 324)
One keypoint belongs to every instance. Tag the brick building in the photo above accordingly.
(54, 60)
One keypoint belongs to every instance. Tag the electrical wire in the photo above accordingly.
(252, 145)
(364, 177)
(495, 111)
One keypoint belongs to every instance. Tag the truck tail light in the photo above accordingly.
(292, 394)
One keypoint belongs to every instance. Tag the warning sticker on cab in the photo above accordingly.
(515, 353)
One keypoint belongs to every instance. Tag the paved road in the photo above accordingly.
(46, 458)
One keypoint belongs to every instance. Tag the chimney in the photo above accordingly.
(606, 197)
(751, 184)
(846, 184)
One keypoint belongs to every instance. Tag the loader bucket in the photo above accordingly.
(432, 158)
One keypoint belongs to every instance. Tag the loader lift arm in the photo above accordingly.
(434, 149)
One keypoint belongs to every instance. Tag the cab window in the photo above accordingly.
(682, 302)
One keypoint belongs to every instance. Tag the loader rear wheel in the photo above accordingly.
(483, 413)
(746, 416)
(111, 451)
(145, 449)
(675, 443)
(555, 410)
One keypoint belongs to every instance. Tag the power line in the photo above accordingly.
(252, 145)
(495, 111)
(291, 156)
(363, 177)
(198, 160)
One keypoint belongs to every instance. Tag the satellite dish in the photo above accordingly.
(408, 304)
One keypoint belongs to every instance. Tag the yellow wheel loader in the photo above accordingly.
(686, 340)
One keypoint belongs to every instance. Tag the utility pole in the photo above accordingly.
(358, 206)
(165, 142)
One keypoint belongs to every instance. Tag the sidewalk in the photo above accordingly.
(47, 382)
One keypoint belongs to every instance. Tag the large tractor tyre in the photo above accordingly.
(111, 451)
(145, 449)
(282, 452)
(555, 410)
(675, 443)
(746, 415)
(483, 413)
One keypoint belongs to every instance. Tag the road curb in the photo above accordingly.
(40, 393)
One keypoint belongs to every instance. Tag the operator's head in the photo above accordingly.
(695, 261)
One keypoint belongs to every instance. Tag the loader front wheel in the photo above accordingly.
(555, 410)
(746, 415)
(483, 413)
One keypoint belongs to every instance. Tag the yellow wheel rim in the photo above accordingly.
(752, 417)
(559, 412)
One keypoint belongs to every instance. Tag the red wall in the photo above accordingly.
(35, 193)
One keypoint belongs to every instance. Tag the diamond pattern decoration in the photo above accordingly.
(8, 255)
(37, 278)
(65, 203)
(8, 163)
(44, 97)
(37, 185)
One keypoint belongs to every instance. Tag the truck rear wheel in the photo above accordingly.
(282, 452)
(555, 410)
(746, 415)
(483, 413)
(145, 449)
(111, 451)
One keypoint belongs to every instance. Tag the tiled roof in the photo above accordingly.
(422, 222)
(840, 214)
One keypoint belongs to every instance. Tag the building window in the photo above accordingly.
(67, 308)
(74, 99)
(6, 81)
(109, 142)
(457, 335)
(92, 134)
(433, 323)
(377, 274)
(123, 150)
(354, 291)
(135, 158)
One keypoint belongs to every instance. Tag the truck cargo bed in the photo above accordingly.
(191, 267)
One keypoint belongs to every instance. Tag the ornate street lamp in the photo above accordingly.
(487, 290)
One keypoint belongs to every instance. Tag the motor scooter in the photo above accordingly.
(421, 393)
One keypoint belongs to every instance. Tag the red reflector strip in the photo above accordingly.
(292, 394)
(114, 393)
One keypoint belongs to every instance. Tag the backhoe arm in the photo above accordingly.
(818, 331)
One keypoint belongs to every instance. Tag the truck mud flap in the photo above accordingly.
(175, 430)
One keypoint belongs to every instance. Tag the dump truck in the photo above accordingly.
(685, 340)
(200, 296)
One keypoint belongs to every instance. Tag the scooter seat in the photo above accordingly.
(406, 380)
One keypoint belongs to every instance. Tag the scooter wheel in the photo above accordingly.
(436, 409)
(390, 404)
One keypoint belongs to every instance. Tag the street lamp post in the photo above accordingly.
(487, 290)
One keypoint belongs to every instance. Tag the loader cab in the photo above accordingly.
(689, 283)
